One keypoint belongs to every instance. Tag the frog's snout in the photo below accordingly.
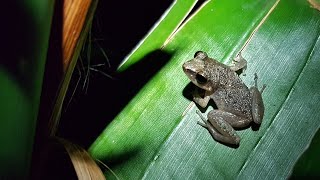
(184, 68)
(189, 72)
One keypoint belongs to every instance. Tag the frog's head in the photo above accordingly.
(195, 70)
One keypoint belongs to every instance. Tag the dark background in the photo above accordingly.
(93, 98)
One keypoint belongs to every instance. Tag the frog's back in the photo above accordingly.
(230, 93)
(236, 100)
(233, 95)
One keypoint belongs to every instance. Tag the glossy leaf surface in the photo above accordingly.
(156, 135)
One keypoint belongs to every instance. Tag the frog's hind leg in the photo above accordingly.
(226, 134)
(257, 102)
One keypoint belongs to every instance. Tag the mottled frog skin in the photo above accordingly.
(237, 105)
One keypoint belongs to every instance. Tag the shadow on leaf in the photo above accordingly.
(106, 98)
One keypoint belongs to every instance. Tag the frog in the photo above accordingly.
(237, 104)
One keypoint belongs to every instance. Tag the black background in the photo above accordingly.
(117, 28)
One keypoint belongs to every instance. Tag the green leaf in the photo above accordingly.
(155, 39)
(156, 135)
(307, 165)
(25, 36)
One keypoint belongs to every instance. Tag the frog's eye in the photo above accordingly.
(201, 79)
(200, 55)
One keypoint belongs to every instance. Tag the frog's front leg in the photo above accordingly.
(239, 63)
(220, 125)
(202, 101)
(257, 102)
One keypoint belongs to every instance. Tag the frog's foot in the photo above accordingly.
(257, 102)
(239, 63)
(219, 129)
(204, 123)
(256, 83)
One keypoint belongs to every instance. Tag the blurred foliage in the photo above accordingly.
(25, 35)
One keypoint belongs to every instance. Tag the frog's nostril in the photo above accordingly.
(186, 70)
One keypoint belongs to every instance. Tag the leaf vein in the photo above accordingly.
(284, 102)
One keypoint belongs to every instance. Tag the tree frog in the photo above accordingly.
(237, 105)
